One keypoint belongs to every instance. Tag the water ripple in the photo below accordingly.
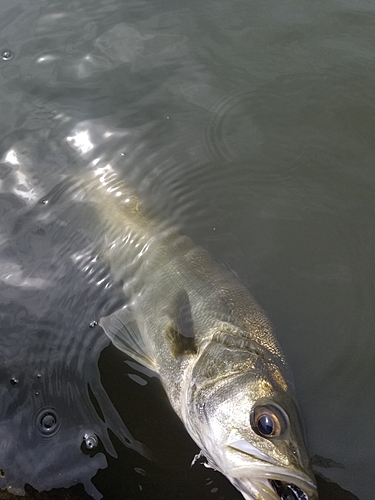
(53, 401)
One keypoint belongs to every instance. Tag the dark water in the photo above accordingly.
(251, 126)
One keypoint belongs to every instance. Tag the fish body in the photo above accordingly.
(193, 322)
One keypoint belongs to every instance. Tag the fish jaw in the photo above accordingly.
(263, 488)
(265, 480)
(262, 479)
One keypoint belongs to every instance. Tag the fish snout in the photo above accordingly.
(282, 488)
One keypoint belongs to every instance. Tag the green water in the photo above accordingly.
(251, 126)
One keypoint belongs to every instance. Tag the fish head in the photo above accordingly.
(243, 415)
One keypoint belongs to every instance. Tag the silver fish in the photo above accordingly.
(194, 323)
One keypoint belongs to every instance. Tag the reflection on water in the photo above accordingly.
(248, 125)
(55, 415)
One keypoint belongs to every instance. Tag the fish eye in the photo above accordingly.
(268, 420)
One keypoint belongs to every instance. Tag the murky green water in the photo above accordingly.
(251, 126)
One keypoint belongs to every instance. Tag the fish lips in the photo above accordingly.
(267, 480)
(275, 485)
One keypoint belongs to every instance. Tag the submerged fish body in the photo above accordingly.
(194, 323)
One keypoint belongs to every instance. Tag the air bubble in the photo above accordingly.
(44, 202)
(6, 55)
(91, 441)
(93, 324)
(47, 421)
(39, 375)
(14, 381)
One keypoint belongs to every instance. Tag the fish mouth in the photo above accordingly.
(290, 491)
(269, 481)
(280, 487)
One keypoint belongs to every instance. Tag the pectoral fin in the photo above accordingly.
(123, 331)
(180, 330)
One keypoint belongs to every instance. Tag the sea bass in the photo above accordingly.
(193, 322)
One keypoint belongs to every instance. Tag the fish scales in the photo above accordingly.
(192, 321)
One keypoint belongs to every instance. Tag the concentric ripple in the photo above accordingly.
(55, 415)
(232, 133)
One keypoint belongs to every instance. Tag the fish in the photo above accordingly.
(191, 320)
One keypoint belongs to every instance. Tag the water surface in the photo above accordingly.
(249, 125)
